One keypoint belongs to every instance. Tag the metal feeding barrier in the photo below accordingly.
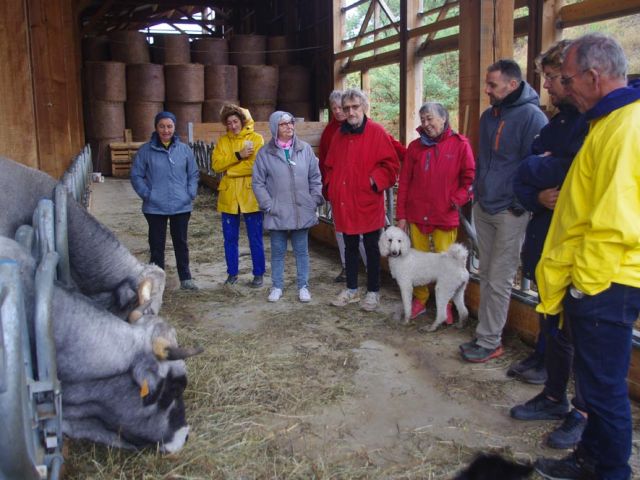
(30, 391)
(202, 152)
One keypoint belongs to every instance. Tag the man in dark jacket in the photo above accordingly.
(507, 130)
(537, 185)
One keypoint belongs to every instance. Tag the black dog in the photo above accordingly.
(494, 467)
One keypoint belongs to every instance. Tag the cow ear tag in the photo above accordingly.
(144, 389)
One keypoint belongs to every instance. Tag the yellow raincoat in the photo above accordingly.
(235, 194)
(594, 238)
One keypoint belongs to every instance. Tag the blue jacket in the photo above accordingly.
(165, 179)
(506, 134)
(563, 137)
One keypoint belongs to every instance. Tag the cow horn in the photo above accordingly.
(180, 353)
(144, 291)
(137, 313)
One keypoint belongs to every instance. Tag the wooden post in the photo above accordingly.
(543, 33)
(338, 34)
(410, 71)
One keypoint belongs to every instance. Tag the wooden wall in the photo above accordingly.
(41, 106)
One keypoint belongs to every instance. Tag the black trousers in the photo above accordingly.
(352, 255)
(178, 226)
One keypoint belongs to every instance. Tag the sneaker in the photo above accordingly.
(449, 320)
(479, 354)
(573, 466)
(532, 361)
(370, 301)
(535, 376)
(188, 285)
(569, 433)
(346, 297)
(540, 408)
(275, 294)
(231, 280)
(342, 276)
(467, 345)
(417, 308)
(256, 282)
(304, 295)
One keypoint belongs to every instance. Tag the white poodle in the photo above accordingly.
(412, 268)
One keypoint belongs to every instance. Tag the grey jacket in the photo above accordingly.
(506, 134)
(288, 193)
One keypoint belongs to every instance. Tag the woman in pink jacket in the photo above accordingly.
(436, 178)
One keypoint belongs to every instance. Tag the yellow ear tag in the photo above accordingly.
(144, 389)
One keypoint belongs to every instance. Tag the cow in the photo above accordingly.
(101, 267)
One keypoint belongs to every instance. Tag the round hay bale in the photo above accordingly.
(297, 109)
(171, 48)
(185, 113)
(210, 51)
(95, 49)
(258, 84)
(139, 117)
(184, 83)
(105, 120)
(278, 50)
(220, 82)
(260, 111)
(248, 50)
(106, 81)
(293, 84)
(129, 46)
(211, 109)
(145, 82)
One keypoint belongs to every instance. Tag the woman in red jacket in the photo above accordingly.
(436, 178)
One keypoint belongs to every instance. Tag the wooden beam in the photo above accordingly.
(338, 33)
(589, 11)
(411, 75)
(363, 28)
(440, 18)
(373, 32)
(386, 58)
(368, 47)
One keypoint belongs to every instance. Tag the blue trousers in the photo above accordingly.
(178, 227)
(300, 244)
(602, 329)
(231, 234)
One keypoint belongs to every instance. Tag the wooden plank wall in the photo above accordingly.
(41, 106)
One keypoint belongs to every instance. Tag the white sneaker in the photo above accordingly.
(275, 294)
(370, 301)
(304, 295)
(346, 297)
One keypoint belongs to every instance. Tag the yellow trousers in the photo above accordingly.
(436, 241)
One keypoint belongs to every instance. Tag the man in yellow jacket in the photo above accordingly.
(590, 265)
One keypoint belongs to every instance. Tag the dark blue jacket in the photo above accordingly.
(563, 137)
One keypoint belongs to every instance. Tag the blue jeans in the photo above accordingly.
(231, 234)
(300, 244)
(602, 328)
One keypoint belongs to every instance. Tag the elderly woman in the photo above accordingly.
(288, 186)
(165, 176)
(234, 156)
(435, 180)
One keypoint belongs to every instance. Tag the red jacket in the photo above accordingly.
(325, 142)
(434, 180)
(351, 160)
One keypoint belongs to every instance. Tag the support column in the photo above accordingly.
(410, 71)
(542, 34)
(338, 35)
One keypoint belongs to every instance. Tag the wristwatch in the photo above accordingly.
(576, 293)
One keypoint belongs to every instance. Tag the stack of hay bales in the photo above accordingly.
(293, 90)
(184, 94)
(171, 48)
(145, 98)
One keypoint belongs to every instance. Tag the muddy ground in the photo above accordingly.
(292, 390)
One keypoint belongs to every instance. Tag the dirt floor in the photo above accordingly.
(292, 390)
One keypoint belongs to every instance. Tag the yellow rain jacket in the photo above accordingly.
(235, 194)
(594, 238)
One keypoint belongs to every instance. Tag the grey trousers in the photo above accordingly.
(500, 238)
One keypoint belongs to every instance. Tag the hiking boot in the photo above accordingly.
(342, 276)
(569, 433)
(304, 295)
(417, 308)
(275, 294)
(370, 301)
(188, 285)
(478, 354)
(257, 281)
(532, 361)
(467, 345)
(346, 297)
(449, 320)
(540, 408)
(231, 280)
(573, 466)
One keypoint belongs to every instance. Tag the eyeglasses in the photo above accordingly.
(346, 108)
(286, 124)
(551, 78)
(566, 81)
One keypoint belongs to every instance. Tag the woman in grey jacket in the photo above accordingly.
(288, 186)
(165, 176)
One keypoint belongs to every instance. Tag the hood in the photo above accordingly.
(527, 95)
(274, 119)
